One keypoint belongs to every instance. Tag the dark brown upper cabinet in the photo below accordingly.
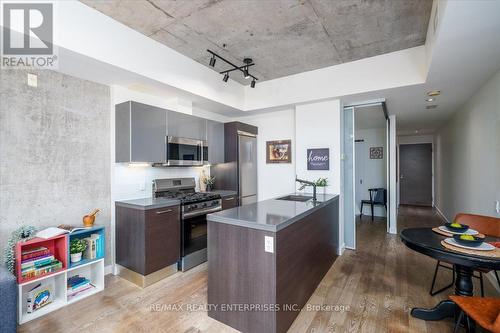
(141, 132)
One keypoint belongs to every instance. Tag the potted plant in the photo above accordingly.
(320, 182)
(76, 247)
(209, 182)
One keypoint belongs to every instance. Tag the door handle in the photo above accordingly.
(163, 211)
(229, 199)
(401, 176)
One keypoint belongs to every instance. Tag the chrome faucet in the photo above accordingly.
(308, 183)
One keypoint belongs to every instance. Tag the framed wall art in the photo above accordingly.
(279, 151)
(376, 153)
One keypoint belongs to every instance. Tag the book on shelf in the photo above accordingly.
(39, 296)
(37, 262)
(34, 253)
(32, 272)
(92, 246)
(78, 284)
(59, 230)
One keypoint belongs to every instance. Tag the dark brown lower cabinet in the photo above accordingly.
(229, 202)
(147, 240)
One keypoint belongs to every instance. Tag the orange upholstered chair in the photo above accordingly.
(484, 311)
(487, 225)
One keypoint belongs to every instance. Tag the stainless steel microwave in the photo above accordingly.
(184, 151)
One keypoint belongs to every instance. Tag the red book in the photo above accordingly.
(35, 252)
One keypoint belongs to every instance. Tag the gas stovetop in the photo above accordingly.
(193, 203)
(188, 197)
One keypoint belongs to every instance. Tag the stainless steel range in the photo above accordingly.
(194, 208)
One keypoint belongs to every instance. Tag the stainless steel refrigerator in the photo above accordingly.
(247, 168)
(239, 173)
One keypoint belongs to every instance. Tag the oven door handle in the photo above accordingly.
(163, 211)
(207, 211)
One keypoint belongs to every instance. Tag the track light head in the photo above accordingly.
(226, 77)
(252, 84)
(245, 73)
(212, 61)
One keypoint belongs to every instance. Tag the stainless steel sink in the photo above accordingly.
(300, 198)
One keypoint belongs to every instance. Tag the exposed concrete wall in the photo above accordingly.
(54, 151)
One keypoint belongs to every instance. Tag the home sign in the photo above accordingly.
(318, 159)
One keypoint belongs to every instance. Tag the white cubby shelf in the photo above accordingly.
(92, 270)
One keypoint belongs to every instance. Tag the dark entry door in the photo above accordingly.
(415, 174)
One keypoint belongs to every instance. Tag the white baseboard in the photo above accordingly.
(441, 214)
(341, 249)
(108, 269)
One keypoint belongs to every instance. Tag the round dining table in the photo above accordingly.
(427, 242)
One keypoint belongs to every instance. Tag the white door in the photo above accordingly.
(348, 182)
(359, 174)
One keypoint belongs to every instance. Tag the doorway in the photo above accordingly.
(369, 162)
(415, 174)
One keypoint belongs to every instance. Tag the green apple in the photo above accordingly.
(467, 237)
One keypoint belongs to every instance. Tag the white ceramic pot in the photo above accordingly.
(76, 257)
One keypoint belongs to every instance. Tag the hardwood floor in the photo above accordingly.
(374, 289)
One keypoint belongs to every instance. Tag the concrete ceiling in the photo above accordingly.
(466, 55)
(283, 37)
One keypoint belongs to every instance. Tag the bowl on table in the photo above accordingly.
(468, 240)
(457, 227)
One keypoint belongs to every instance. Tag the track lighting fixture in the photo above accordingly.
(248, 62)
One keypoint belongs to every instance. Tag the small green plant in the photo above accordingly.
(77, 246)
(320, 182)
(209, 181)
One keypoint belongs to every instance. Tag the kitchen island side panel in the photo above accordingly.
(241, 272)
(305, 252)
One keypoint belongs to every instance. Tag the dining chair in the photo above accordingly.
(378, 196)
(487, 225)
(485, 311)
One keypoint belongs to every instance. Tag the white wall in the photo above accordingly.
(467, 156)
(373, 171)
(274, 179)
(318, 125)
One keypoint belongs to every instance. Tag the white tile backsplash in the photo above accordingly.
(132, 182)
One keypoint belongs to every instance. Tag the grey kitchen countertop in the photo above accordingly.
(271, 215)
(148, 203)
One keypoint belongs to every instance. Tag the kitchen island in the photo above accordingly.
(266, 259)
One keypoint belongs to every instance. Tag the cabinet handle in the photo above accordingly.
(228, 199)
(163, 211)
